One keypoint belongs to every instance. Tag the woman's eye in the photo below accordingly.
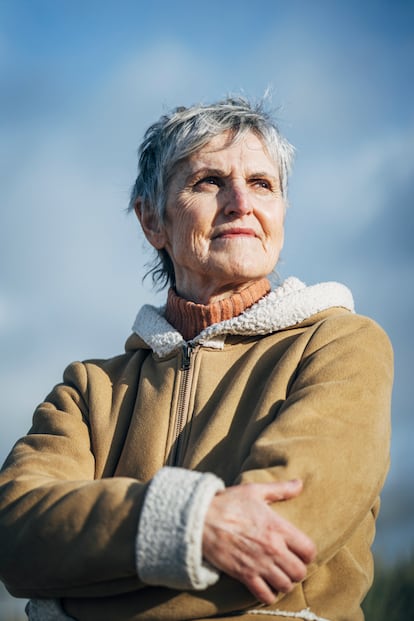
(262, 183)
(213, 181)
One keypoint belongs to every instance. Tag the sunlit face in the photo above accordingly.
(223, 226)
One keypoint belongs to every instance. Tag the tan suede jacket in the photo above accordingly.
(102, 503)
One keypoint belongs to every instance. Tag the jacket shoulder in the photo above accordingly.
(350, 331)
(100, 372)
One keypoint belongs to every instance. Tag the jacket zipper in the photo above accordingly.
(183, 398)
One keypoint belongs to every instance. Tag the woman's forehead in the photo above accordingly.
(226, 148)
(228, 140)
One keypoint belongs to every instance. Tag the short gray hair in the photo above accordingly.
(186, 130)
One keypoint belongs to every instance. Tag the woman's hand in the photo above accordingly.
(249, 541)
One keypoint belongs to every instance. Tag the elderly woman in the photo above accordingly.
(230, 461)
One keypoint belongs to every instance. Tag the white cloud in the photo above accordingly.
(347, 189)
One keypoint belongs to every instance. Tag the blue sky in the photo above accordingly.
(79, 83)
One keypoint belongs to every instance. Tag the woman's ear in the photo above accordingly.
(151, 225)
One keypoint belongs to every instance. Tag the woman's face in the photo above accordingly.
(223, 226)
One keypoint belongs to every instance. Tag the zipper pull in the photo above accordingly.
(187, 349)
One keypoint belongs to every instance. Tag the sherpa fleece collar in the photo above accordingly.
(287, 305)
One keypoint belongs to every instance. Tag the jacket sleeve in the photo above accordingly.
(332, 431)
(61, 530)
(65, 531)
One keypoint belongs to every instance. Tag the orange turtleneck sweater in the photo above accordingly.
(190, 318)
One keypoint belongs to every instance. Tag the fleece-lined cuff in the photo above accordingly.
(169, 539)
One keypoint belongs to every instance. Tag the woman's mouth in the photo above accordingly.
(235, 232)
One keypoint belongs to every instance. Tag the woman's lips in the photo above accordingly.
(236, 232)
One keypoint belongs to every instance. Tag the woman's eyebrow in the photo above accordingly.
(263, 174)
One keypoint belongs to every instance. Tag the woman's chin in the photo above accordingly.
(234, 270)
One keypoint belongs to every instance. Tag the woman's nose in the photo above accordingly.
(237, 200)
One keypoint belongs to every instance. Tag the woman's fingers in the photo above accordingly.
(261, 590)
(280, 490)
(295, 540)
(249, 541)
(291, 565)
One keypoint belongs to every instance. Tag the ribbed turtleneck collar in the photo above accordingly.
(190, 318)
